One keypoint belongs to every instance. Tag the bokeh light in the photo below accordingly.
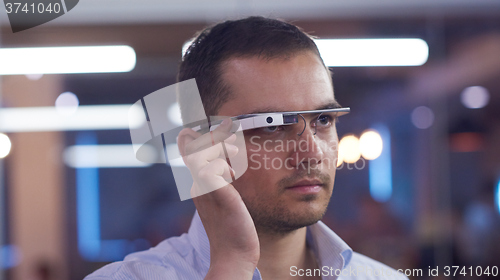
(339, 160)
(5, 145)
(174, 114)
(349, 149)
(422, 117)
(67, 103)
(475, 97)
(370, 144)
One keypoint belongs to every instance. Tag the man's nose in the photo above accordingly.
(310, 148)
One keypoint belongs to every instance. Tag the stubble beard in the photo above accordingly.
(276, 217)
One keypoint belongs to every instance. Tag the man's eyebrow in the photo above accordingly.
(264, 110)
(331, 105)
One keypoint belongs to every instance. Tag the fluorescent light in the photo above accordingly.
(380, 169)
(88, 212)
(29, 119)
(105, 156)
(87, 203)
(373, 52)
(66, 60)
(497, 196)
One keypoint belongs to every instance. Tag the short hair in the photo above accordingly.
(249, 37)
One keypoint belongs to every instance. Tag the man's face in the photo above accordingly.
(289, 186)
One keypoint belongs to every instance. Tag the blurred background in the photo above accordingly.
(421, 190)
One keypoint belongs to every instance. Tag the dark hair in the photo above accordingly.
(250, 37)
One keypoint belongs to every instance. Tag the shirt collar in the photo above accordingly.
(328, 247)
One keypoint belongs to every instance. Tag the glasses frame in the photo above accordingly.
(259, 120)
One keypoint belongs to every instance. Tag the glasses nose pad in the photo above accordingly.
(305, 124)
(316, 124)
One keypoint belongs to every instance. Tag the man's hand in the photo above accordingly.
(234, 245)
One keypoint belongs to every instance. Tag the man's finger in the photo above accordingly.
(198, 160)
(220, 134)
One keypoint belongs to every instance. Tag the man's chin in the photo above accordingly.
(283, 224)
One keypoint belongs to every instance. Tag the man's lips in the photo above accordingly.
(307, 186)
(303, 183)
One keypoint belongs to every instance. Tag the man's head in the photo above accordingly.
(258, 65)
(250, 37)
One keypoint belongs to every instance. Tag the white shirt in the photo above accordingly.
(187, 257)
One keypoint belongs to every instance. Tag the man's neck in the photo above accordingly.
(279, 252)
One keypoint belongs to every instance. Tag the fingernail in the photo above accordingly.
(233, 148)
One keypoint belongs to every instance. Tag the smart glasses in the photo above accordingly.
(272, 120)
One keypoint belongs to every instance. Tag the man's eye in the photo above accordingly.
(271, 129)
(324, 120)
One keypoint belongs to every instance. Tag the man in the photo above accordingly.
(265, 224)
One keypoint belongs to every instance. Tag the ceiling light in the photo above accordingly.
(105, 156)
(66, 60)
(373, 52)
(30, 119)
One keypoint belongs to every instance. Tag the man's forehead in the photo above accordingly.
(256, 65)
(259, 86)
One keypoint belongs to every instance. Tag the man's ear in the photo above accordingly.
(186, 136)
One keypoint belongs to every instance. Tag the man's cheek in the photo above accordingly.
(331, 155)
(254, 161)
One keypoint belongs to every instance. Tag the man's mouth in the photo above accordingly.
(307, 186)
